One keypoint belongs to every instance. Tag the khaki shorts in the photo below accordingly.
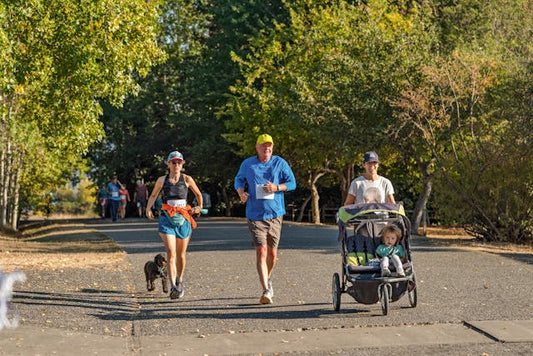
(265, 232)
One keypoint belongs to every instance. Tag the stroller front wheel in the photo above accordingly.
(384, 297)
(336, 292)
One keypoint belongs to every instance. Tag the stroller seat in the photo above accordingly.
(370, 269)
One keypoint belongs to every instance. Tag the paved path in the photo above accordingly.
(468, 302)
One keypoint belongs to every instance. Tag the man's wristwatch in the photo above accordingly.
(279, 188)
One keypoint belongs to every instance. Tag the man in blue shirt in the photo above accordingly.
(113, 190)
(265, 178)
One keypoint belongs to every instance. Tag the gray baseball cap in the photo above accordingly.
(371, 156)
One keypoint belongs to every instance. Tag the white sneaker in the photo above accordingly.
(401, 273)
(266, 298)
(270, 288)
(385, 272)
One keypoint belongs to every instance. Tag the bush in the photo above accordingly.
(79, 200)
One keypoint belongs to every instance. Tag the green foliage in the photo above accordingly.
(178, 103)
(467, 111)
(322, 85)
(441, 89)
(57, 59)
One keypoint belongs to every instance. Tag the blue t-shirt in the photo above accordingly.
(255, 174)
(113, 190)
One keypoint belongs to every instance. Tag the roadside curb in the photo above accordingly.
(27, 339)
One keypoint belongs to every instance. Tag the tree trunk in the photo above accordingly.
(225, 198)
(14, 216)
(348, 177)
(3, 200)
(302, 208)
(315, 207)
(6, 184)
(420, 206)
(315, 197)
(423, 197)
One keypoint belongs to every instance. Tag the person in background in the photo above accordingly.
(370, 187)
(176, 218)
(267, 178)
(124, 200)
(102, 200)
(140, 196)
(113, 191)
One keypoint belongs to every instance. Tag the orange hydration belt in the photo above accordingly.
(186, 212)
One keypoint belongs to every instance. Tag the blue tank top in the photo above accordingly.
(174, 191)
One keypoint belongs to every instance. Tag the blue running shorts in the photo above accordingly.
(181, 231)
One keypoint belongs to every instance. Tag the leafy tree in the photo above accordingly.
(468, 109)
(57, 59)
(322, 85)
(178, 105)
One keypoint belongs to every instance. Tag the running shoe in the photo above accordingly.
(180, 289)
(174, 294)
(266, 298)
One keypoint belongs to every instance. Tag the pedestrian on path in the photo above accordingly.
(175, 220)
(267, 178)
(370, 187)
(102, 199)
(124, 195)
(140, 196)
(113, 190)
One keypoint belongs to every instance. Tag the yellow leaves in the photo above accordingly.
(94, 26)
(398, 22)
(19, 89)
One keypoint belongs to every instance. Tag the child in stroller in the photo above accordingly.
(390, 250)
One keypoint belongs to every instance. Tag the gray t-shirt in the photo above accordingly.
(368, 191)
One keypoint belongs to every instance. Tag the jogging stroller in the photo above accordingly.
(360, 228)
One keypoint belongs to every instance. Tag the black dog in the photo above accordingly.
(156, 269)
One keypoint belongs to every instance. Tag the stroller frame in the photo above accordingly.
(364, 282)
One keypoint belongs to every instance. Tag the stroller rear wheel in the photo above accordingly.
(336, 292)
(412, 294)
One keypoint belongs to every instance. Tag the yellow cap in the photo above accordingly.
(264, 138)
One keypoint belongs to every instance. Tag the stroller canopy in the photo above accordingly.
(348, 212)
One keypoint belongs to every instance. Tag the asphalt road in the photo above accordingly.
(462, 290)
(222, 288)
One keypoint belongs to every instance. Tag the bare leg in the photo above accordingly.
(170, 245)
(181, 251)
(272, 256)
(262, 266)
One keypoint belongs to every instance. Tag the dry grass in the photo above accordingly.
(55, 245)
(457, 237)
